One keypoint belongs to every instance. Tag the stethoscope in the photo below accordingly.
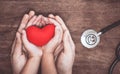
(117, 54)
(90, 38)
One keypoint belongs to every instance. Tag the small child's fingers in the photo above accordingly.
(30, 23)
(43, 23)
(36, 22)
(24, 39)
(46, 21)
(55, 40)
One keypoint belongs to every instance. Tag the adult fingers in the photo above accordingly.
(59, 19)
(71, 41)
(31, 14)
(13, 46)
(23, 22)
(54, 22)
(18, 46)
(69, 46)
(51, 16)
(58, 49)
(66, 42)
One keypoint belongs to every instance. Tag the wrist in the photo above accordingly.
(65, 72)
(47, 51)
(35, 58)
(68, 72)
(48, 55)
(37, 55)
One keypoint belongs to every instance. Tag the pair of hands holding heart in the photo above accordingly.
(39, 35)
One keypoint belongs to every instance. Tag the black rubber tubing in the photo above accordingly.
(109, 27)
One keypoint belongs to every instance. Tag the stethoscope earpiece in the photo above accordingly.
(90, 38)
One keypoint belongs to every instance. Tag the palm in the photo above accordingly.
(20, 62)
(63, 61)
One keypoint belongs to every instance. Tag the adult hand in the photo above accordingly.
(18, 57)
(65, 59)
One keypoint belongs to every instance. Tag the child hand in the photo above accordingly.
(65, 58)
(34, 52)
(49, 48)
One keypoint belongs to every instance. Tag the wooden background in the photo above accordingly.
(79, 15)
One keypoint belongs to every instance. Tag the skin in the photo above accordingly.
(65, 51)
(26, 62)
(18, 55)
(48, 61)
(34, 52)
(26, 57)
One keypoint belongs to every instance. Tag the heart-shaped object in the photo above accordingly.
(40, 36)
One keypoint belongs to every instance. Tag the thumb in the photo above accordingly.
(25, 41)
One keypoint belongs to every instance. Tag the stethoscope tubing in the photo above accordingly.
(117, 59)
(112, 66)
(109, 27)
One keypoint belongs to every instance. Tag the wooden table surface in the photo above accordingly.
(78, 15)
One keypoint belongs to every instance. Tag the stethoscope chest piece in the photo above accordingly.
(90, 38)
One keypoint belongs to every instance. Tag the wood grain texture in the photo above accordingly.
(78, 15)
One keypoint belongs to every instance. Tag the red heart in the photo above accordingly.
(40, 36)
